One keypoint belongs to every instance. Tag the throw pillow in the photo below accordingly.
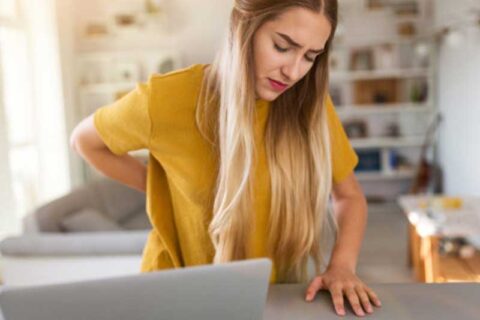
(89, 220)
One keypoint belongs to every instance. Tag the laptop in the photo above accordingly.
(233, 291)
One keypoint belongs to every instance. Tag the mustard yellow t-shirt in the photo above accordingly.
(160, 116)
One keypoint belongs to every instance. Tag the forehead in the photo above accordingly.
(309, 28)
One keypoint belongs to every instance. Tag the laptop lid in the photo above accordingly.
(234, 291)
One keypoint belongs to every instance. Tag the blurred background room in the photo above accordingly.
(404, 77)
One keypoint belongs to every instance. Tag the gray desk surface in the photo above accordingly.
(399, 301)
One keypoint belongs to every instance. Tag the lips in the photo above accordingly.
(277, 86)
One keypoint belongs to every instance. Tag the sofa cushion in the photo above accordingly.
(49, 216)
(136, 221)
(75, 244)
(120, 201)
(89, 220)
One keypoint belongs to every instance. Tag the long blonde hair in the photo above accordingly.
(297, 145)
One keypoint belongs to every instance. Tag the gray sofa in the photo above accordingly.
(96, 231)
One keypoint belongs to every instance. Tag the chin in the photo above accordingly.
(267, 95)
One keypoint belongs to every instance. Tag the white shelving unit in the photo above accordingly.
(414, 67)
(110, 59)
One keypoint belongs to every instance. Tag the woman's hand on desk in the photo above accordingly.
(343, 282)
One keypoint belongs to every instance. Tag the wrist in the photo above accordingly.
(343, 264)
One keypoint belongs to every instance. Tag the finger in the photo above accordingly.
(373, 297)
(313, 288)
(364, 299)
(354, 301)
(337, 298)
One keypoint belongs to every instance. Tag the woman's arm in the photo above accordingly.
(340, 279)
(350, 207)
(86, 141)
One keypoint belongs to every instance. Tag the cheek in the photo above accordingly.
(273, 61)
(267, 59)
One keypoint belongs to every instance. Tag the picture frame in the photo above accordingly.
(356, 128)
(361, 59)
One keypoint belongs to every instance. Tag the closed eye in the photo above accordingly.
(280, 49)
(283, 50)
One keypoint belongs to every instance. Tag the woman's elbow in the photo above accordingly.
(84, 137)
(73, 140)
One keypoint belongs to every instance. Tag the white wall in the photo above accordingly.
(459, 101)
(199, 26)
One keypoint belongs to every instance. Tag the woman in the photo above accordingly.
(244, 153)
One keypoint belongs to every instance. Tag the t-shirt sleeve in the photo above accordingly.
(125, 125)
(344, 158)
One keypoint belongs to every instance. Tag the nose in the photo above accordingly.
(291, 70)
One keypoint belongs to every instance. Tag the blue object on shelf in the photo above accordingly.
(368, 160)
(393, 159)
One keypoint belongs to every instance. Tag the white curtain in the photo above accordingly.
(7, 210)
(49, 102)
(35, 154)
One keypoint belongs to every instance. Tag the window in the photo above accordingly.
(33, 142)
(19, 147)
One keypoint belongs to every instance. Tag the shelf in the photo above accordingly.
(377, 176)
(350, 110)
(107, 88)
(380, 74)
(371, 143)
(126, 41)
(130, 53)
(396, 41)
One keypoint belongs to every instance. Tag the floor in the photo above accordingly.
(383, 258)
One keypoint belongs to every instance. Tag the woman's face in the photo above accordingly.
(285, 49)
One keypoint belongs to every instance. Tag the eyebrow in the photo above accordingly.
(293, 43)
